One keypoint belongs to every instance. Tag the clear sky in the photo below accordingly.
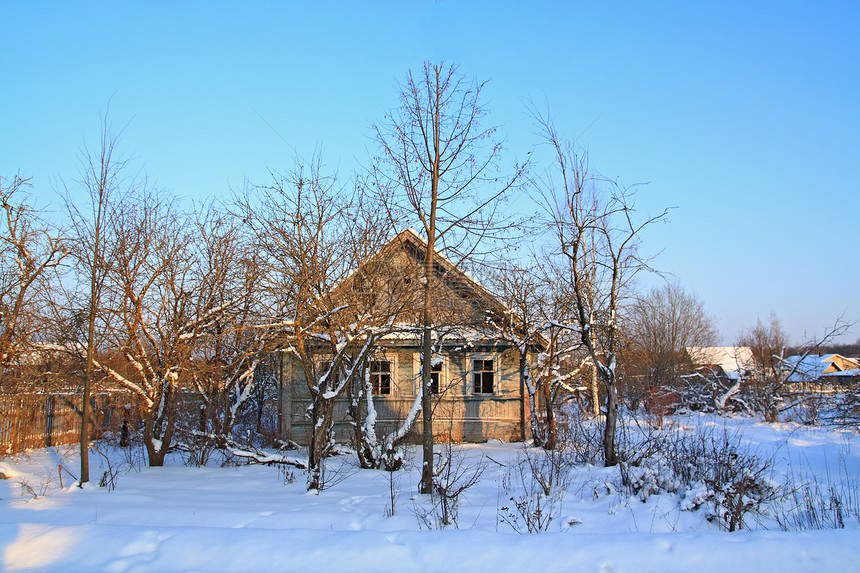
(743, 116)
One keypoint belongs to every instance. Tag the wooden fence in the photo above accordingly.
(43, 420)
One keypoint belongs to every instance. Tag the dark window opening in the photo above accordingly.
(435, 375)
(482, 372)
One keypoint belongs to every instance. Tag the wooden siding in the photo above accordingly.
(459, 414)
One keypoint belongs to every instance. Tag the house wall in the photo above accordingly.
(460, 415)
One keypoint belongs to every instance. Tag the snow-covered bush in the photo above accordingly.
(701, 393)
(709, 469)
(738, 491)
(653, 476)
(846, 409)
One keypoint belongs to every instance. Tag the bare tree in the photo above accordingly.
(767, 342)
(233, 343)
(151, 285)
(548, 361)
(660, 326)
(103, 178)
(159, 310)
(772, 372)
(598, 234)
(28, 249)
(437, 169)
(313, 239)
(519, 288)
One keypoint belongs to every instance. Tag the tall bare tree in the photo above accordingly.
(598, 234)
(437, 169)
(103, 178)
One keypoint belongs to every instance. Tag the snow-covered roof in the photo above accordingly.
(729, 358)
(458, 334)
(844, 373)
(811, 367)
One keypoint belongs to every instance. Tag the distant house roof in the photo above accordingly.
(813, 366)
(731, 359)
(843, 374)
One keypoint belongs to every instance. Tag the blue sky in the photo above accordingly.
(742, 116)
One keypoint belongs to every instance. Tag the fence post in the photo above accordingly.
(49, 421)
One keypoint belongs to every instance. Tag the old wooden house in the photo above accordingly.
(477, 382)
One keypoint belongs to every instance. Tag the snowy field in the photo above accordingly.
(261, 518)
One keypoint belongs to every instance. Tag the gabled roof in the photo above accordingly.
(461, 283)
(814, 366)
(451, 270)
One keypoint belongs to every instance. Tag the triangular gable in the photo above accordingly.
(459, 281)
(460, 288)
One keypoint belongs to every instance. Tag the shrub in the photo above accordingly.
(542, 477)
(709, 469)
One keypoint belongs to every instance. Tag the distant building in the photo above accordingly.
(728, 362)
(821, 372)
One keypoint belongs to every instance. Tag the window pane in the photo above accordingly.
(380, 366)
(380, 376)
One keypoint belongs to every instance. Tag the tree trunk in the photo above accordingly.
(524, 376)
(426, 485)
(609, 454)
(551, 431)
(321, 418)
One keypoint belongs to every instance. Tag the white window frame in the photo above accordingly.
(392, 361)
(471, 373)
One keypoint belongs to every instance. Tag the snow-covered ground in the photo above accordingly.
(178, 518)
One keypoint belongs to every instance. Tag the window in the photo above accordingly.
(380, 376)
(482, 374)
(435, 377)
